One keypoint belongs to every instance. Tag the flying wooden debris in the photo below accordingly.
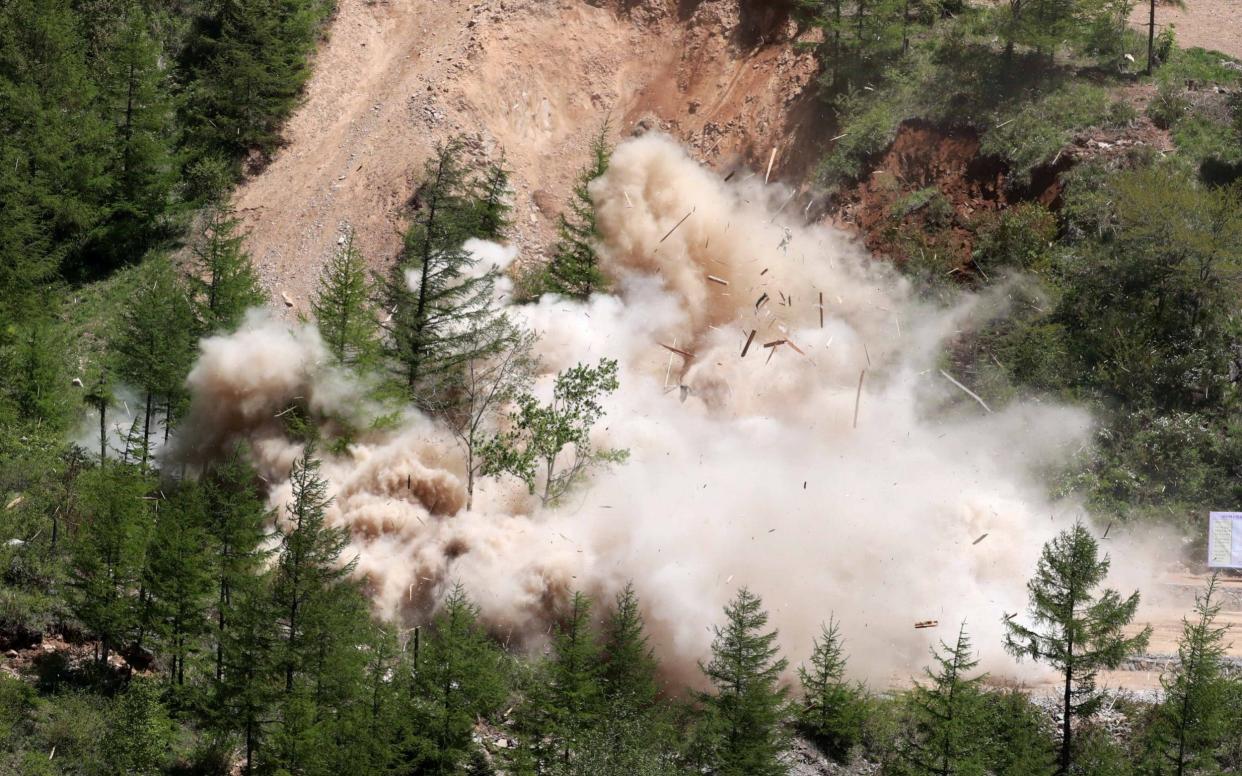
(858, 395)
(15, 501)
(678, 351)
(821, 309)
(969, 392)
(771, 160)
(761, 300)
(749, 340)
(720, 281)
(679, 223)
(791, 344)
(976, 541)
(926, 624)
(774, 343)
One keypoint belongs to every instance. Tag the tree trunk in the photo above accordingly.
(1151, 37)
(146, 432)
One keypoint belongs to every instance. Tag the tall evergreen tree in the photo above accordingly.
(574, 268)
(575, 673)
(155, 342)
(947, 714)
(749, 701)
(832, 710)
(308, 565)
(491, 202)
(1193, 719)
(223, 283)
(342, 307)
(178, 578)
(135, 99)
(236, 516)
(108, 554)
(457, 678)
(441, 305)
(1076, 629)
(249, 666)
(629, 664)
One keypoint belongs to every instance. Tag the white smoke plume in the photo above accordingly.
(743, 471)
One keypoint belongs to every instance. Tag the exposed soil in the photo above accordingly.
(1209, 24)
(531, 81)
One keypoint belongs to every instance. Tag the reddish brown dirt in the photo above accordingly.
(1209, 24)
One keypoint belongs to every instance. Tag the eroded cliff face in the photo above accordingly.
(531, 81)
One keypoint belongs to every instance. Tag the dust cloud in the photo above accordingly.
(743, 470)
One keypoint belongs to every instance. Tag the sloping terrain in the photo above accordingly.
(529, 81)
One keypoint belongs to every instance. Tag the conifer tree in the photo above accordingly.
(108, 554)
(1076, 629)
(441, 306)
(235, 515)
(1193, 719)
(342, 307)
(629, 664)
(575, 673)
(37, 375)
(223, 283)
(155, 342)
(947, 710)
(832, 710)
(178, 578)
(140, 732)
(141, 166)
(749, 702)
(540, 436)
(1019, 734)
(308, 565)
(248, 685)
(457, 678)
(574, 268)
(491, 203)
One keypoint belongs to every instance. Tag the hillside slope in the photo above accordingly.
(527, 80)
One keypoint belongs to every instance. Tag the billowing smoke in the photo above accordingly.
(771, 470)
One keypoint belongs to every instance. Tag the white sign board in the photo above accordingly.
(1225, 540)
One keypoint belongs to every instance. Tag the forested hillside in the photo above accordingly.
(878, 466)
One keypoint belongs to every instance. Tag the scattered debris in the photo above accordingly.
(761, 300)
(679, 223)
(285, 297)
(1107, 529)
(15, 501)
(749, 340)
(926, 624)
(715, 279)
(821, 309)
(858, 395)
(77, 382)
(683, 353)
(976, 541)
(969, 392)
(771, 160)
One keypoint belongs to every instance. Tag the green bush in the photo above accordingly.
(1042, 127)
(1169, 104)
(870, 128)
(1018, 237)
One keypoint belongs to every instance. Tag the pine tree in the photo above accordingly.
(236, 516)
(832, 710)
(441, 308)
(947, 713)
(1193, 719)
(574, 268)
(155, 342)
(308, 564)
(540, 434)
(343, 309)
(108, 554)
(1076, 630)
(457, 678)
(141, 167)
(249, 67)
(178, 578)
(629, 664)
(1019, 734)
(223, 283)
(749, 702)
(140, 733)
(491, 203)
(247, 686)
(575, 673)
(37, 379)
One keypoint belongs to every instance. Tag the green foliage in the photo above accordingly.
(947, 714)
(139, 732)
(575, 673)
(178, 578)
(1038, 129)
(1193, 719)
(1077, 630)
(223, 282)
(832, 709)
(746, 710)
(629, 664)
(539, 434)
(441, 305)
(343, 310)
(492, 210)
(1019, 237)
(574, 268)
(1169, 104)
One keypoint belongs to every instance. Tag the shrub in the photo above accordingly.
(1018, 237)
(1169, 104)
